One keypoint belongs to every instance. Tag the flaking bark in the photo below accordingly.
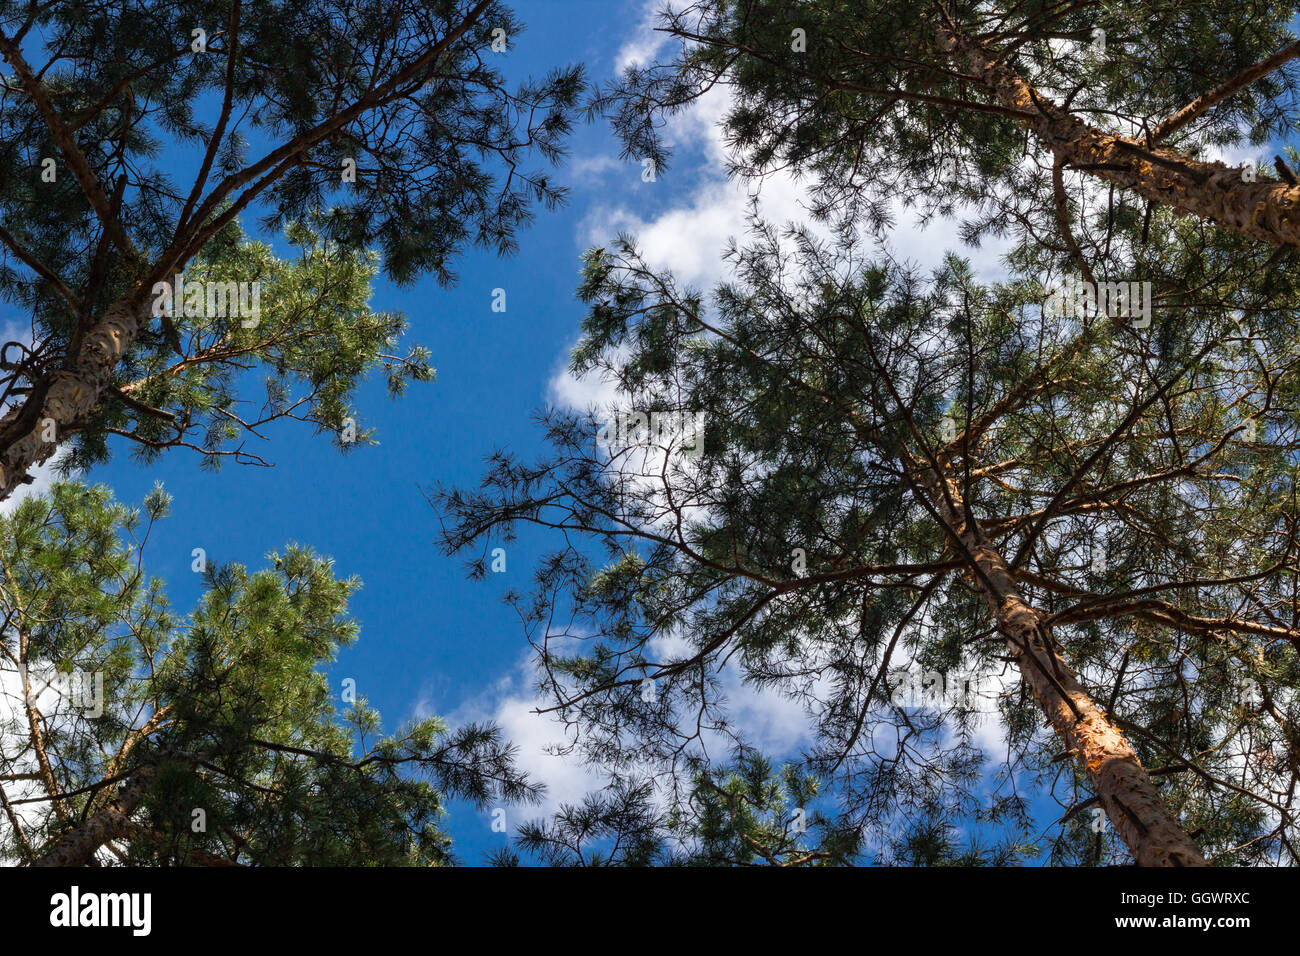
(71, 397)
(78, 846)
(1265, 210)
(1126, 792)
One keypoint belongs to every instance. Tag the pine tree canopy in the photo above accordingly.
(743, 814)
(380, 126)
(929, 471)
(947, 102)
(314, 341)
(1063, 501)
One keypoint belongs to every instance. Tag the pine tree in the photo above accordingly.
(383, 125)
(137, 736)
(314, 338)
(1093, 524)
(1076, 483)
(955, 101)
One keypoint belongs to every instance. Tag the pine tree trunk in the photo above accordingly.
(72, 396)
(1266, 210)
(78, 846)
(1125, 790)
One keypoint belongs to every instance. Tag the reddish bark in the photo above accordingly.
(1266, 210)
(78, 846)
(1126, 792)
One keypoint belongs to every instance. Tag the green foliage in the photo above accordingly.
(874, 109)
(228, 709)
(820, 370)
(745, 813)
(313, 341)
(383, 126)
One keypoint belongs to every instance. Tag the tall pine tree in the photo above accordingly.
(1094, 523)
(1077, 481)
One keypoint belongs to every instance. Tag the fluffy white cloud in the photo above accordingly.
(512, 704)
(645, 44)
(773, 723)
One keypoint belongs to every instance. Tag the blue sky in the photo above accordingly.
(432, 641)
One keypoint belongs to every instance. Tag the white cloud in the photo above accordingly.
(774, 724)
(645, 45)
(593, 166)
(511, 703)
(580, 393)
(689, 235)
